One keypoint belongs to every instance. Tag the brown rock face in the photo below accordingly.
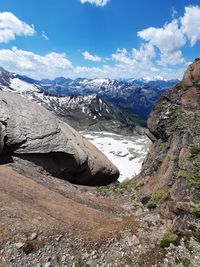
(191, 84)
(173, 162)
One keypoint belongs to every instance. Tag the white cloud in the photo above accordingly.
(45, 36)
(144, 53)
(136, 63)
(191, 23)
(34, 65)
(168, 39)
(122, 56)
(160, 53)
(174, 12)
(137, 58)
(100, 3)
(172, 58)
(88, 56)
(11, 26)
(173, 36)
(54, 64)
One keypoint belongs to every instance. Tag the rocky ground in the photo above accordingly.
(48, 222)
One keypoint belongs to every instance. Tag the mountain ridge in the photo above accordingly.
(134, 97)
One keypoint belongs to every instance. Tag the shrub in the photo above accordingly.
(160, 196)
(192, 177)
(196, 210)
(167, 239)
(101, 190)
(138, 185)
(194, 149)
(163, 146)
(186, 262)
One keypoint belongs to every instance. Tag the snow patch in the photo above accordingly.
(125, 152)
(21, 86)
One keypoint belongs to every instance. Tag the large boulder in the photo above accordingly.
(30, 134)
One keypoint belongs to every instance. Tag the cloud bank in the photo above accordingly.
(11, 26)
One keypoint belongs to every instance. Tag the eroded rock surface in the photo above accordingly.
(173, 161)
(31, 135)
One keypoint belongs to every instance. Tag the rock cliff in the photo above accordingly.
(30, 135)
(170, 172)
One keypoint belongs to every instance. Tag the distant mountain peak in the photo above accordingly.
(155, 78)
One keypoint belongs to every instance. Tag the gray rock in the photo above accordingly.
(33, 236)
(135, 240)
(31, 135)
(19, 245)
(58, 238)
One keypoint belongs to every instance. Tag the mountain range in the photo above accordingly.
(97, 104)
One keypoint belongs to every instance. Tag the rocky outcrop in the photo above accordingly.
(173, 162)
(31, 135)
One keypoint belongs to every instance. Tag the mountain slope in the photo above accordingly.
(80, 111)
(138, 96)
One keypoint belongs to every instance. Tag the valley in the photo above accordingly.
(109, 113)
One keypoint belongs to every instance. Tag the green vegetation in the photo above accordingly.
(192, 177)
(159, 197)
(167, 239)
(178, 118)
(101, 190)
(163, 146)
(195, 149)
(186, 262)
(138, 185)
(126, 186)
(182, 121)
(197, 164)
(196, 210)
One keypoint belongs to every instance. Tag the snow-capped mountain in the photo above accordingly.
(16, 83)
(80, 111)
(97, 103)
(137, 96)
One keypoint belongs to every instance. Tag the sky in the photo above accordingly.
(114, 39)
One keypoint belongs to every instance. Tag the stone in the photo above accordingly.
(63, 259)
(33, 136)
(19, 245)
(33, 236)
(133, 240)
(59, 238)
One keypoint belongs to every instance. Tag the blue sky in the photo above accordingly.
(99, 38)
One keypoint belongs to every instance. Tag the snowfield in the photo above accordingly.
(20, 86)
(125, 152)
